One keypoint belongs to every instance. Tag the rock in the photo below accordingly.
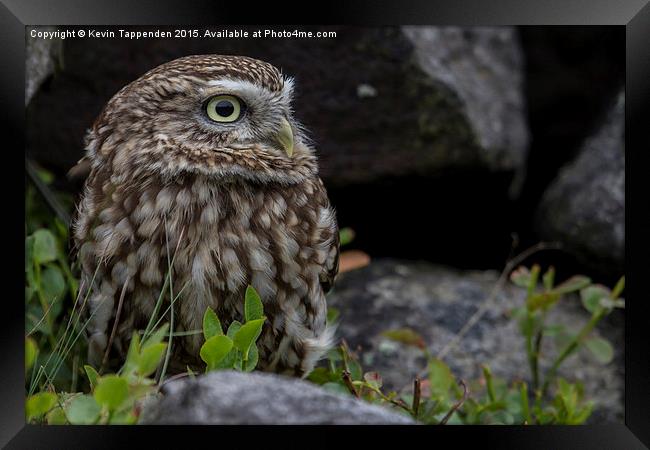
(584, 207)
(228, 397)
(436, 302)
(41, 55)
(379, 102)
(481, 66)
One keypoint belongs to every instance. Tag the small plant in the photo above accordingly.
(598, 300)
(433, 401)
(113, 398)
(237, 349)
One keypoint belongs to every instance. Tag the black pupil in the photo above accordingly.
(224, 108)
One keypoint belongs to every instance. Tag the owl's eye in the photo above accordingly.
(224, 108)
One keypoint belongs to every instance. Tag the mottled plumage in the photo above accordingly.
(233, 203)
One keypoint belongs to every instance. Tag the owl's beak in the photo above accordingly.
(285, 137)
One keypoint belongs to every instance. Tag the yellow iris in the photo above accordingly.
(224, 108)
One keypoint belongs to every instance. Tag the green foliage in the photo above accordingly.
(346, 236)
(344, 374)
(598, 300)
(113, 398)
(39, 404)
(52, 347)
(83, 410)
(211, 324)
(440, 398)
(214, 350)
(236, 349)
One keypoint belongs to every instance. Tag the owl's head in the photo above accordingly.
(227, 117)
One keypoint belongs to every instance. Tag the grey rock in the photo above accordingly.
(379, 102)
(584, 207)
(40, 61)
(436, 302)
(228, 397)
(483, 67)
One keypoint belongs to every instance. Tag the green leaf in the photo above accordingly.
(573, 284)
(45, 249)
(253, 357)
(211, 324)
(601, 349)
(233, 329)
(549, 278)
(133, 355)
(230, 360)
(150, 358)
(214, 350)
(247, 335)
(92, 375)
(332, 314)
(53, 288)
(253, 308)
(440, 379)
(406, 336)
(39, 404)
(31, 351)
(356, 372)
(568, 396)
(534, 275)
(346, 235)
(156, 337)
(83, 410)
(542, 300)
(123, 418)
(520, 276)
(320, 375)
(111, 391)
(56, 417)
(591, 297)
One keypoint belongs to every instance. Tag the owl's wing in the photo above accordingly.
(330, 236)
(81, 170)
(331, 266)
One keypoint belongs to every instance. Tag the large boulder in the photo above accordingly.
(584, 207)
(379, 102)
(436, 302)
(230, 398)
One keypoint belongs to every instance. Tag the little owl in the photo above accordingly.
(201, 164)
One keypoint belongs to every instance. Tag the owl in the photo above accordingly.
(199, 170)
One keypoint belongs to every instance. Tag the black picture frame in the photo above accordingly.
(634, 15)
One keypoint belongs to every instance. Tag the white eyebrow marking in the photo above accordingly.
(248, 89)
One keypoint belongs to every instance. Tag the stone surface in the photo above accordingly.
(483, 66)
(584, 207)
(436, 302)
(228, 397)
(379, 102)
